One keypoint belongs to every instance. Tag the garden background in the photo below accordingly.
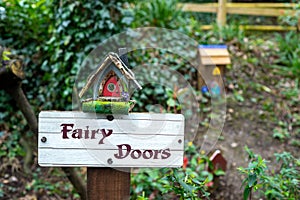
(261, 135)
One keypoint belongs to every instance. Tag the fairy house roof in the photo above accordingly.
(111, 64)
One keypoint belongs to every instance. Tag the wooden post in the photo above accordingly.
(108, 183)
(221, 15)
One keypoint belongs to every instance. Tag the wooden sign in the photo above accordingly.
(96, 140)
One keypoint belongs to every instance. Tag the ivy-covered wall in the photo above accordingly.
(53, 37)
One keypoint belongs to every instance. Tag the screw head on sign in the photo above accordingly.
(43, 139)
(110, 117)
(109, 161)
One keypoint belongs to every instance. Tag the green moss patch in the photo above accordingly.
(106, 107)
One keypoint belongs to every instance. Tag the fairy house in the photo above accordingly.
(111, 82)
(213, 59)
(218, 161)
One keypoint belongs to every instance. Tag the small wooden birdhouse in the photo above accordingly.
(214, 59)
(216, 55)
(112, 85)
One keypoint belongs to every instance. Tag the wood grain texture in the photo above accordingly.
(213, 52)
(214, 60)
(107, 183)
(259, 9)
(143, 140)
(83, 115)
(267, 28)
(214, 56)
(257, 28)
(189, 6)
(221, 14)
(271, 12)
(100, 158)
(54, 141)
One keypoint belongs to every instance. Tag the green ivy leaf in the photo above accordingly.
(247, 191)
(171, 102)
(252, 179)
(5, 55)
(250, 153)
(219, 172)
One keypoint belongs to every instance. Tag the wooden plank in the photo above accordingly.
(134, 140)
(134, 127)
(197, 7)
(260, 5)
(213, 52)
(99, 158)
(271, 12)
(206, 27)
(241, 9)
(215, 60)
(257, 28)
(111, 142)
(83, 115)
(221, 14)
(267, 28)
(107, 183)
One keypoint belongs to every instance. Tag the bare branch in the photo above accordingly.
(10, 80)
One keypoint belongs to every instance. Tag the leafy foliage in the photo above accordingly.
(292, 19)
(254, 172)
(192, 181)
(157, 13)
(283, 184)
(53, 37)
(288, 62)
(56, 36)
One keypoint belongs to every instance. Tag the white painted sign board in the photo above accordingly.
(70, 138)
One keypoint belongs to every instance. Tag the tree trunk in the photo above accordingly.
(11, 75)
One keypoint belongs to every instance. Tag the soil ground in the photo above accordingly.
(247, 123)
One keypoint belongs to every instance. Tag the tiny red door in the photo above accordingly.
(111, 88)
